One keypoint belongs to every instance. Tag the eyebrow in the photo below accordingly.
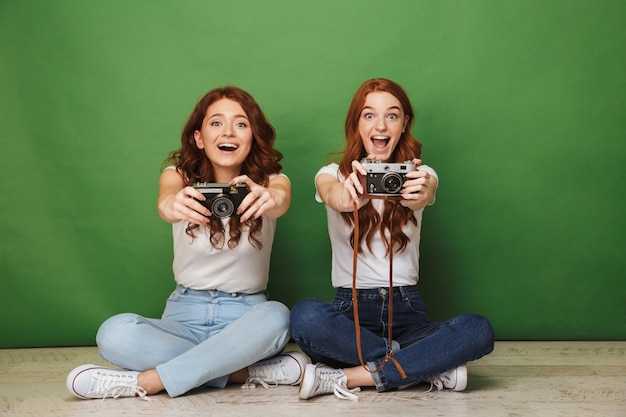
(388, 108)
(222, 115)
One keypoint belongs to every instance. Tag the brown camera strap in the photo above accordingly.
(389, 355)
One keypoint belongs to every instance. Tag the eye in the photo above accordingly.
(216, 123)
(242, 125)
(368, 116)
(392, 116)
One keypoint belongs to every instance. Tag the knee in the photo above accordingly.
(304, 313)
(112, 328)
(274, 313)
(481, 330)
(485, 328)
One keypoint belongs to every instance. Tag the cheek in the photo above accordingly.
(398, 133)
(246, 145)
(247, 140)
(364, 134)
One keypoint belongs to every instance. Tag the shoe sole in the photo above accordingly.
(71, 378)
(308, 379)
(461, 378)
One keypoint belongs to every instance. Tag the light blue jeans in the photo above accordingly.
(202, 337)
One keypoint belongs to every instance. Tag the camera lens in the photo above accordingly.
(222, 207)
(391, 182)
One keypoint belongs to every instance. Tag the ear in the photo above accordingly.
(198, 137)
(406, 121)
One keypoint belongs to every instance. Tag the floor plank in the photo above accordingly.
(518, 379)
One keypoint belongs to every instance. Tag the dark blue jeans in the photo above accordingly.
(327, 334)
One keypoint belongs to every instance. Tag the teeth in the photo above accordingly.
(227, 146)
(380, 137)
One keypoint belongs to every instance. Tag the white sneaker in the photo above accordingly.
(454, 379)
(92, 381)
(285, 369)
(322, 379)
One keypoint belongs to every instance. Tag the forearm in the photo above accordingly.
(280, 191)
(340, 196)
(170, 183)
(164, 207)
(282, 196)
(339, 200)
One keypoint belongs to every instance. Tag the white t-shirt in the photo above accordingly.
(244, 269)
(372, 267)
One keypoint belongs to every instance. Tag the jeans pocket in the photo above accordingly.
(342, 304)
(415, 304)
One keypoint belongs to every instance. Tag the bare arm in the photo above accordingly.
(176, 203)
(341, 196)
(273, 200)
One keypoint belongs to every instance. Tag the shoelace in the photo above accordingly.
(435, 382)
(266, 383)
(344, 393)
(438, 382)
(111, 386)
(270, 372)
(329, 383)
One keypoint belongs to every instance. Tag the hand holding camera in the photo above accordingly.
(384, 179)
(222, 199)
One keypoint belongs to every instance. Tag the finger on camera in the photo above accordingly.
(413, 187)
(197, 218)
(247, 202)
(196, 207)
(358, 167)
(411, 196)
(356, 183)
(417, 174)
(253, 212)
(190, 192)
(242, 179)
(200, 212)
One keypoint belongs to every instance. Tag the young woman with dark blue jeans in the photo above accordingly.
(346, 356)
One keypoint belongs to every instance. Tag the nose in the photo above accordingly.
(381, 125)
(228, 129)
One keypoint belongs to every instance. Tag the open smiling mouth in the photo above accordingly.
(380, 142)
(227, 147)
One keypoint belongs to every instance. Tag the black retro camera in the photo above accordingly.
(384, 179)
(222, 199)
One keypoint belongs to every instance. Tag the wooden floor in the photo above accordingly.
(547, 379)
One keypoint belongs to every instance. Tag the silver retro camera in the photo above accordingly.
(222, 199)
(384, 179)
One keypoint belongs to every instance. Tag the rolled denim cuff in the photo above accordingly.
(380, 386)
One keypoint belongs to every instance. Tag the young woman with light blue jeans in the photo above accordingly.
(223, 192)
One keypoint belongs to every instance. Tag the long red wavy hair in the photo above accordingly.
(262, 160)
(394, 216)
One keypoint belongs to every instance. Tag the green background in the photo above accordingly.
(520, 106)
